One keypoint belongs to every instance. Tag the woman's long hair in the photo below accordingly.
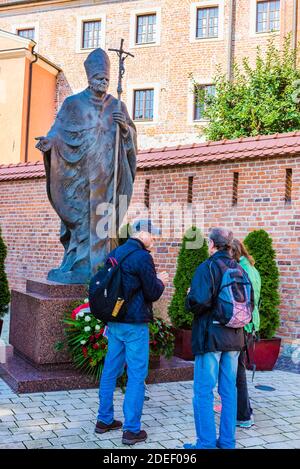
(238, 250)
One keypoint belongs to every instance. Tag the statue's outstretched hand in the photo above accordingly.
(120, 118)
(44, 144)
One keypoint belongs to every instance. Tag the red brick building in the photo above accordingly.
(244, 184)
(170, 41)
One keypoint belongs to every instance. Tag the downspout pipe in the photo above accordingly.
(29, 102)
(295, 25)
(230, 40)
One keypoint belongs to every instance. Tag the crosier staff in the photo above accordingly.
(122, 56)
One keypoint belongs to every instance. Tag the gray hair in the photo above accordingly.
(221, 237)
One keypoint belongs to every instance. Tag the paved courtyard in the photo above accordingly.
(66, 419)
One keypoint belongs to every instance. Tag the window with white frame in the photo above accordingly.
(145, 29)
(91, 34)
(27, 33)
(143, 105)
(267, 16)
(207, 24)
(202, 93)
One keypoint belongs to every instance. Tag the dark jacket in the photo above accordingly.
(207, 336)
(140, 283)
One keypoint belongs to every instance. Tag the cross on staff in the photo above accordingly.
(122, 54)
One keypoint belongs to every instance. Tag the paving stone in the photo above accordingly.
(18, 437)
(6, 411)
(24, 423)
(105, 444)
(63, 407)
(282, 445)
(295, 443)
(87, 445)
(274, 438)
(288, 428)
(33, 444)
(78, 423)
(256, 447)
(172, 444)
(269, 431)
(21, 417)
(56, 420)
(25, 429)
(42, 415)
(249, 433)
(42, 435)
(292, 436)
(247, 442)
(7, 418)
(70, 432)
(13, 446)
(65, 440)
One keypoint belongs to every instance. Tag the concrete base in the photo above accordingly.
(22, 377)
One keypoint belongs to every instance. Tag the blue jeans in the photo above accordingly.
(211, 368)
(127, 343)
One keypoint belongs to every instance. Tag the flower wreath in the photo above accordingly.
(86, 339)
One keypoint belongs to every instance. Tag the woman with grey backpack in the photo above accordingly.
(244, 410)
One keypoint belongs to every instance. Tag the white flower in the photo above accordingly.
(87, 329)
(87, 318)
(97, 327)
(86, 300)
(80, 314)
(83, 342)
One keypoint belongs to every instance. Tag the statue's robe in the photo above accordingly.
(80, 177)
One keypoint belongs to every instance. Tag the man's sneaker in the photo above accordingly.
(130, 438)
(103, 427)
(245, 423)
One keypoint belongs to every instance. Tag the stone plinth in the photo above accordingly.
(36, 326)
(36, 320)
(22, 377)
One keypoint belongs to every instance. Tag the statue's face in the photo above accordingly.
(99, 83)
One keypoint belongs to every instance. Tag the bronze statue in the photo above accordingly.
(79, 157)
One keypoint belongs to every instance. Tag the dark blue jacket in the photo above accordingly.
(140, 283)
(207, 336)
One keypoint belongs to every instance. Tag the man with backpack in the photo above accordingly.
(128, 335)
(221, 299)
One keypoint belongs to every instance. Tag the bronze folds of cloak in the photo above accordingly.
(79, 155)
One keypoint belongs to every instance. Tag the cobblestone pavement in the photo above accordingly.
(66, 419)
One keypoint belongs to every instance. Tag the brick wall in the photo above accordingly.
(30, 227)
(168, 64)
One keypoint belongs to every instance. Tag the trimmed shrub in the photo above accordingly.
(259, 245)
(4, 288)
(187, 262)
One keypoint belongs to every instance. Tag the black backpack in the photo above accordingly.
(106, 295)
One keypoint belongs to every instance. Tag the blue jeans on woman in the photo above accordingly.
(127, 343)
(211, 368)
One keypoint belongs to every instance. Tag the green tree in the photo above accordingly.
(259, 244)
(187, 262)
(4, 289)
(259, 100)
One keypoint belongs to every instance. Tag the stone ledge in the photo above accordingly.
(22, 377)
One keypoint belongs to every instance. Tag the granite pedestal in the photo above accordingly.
(36, 326)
